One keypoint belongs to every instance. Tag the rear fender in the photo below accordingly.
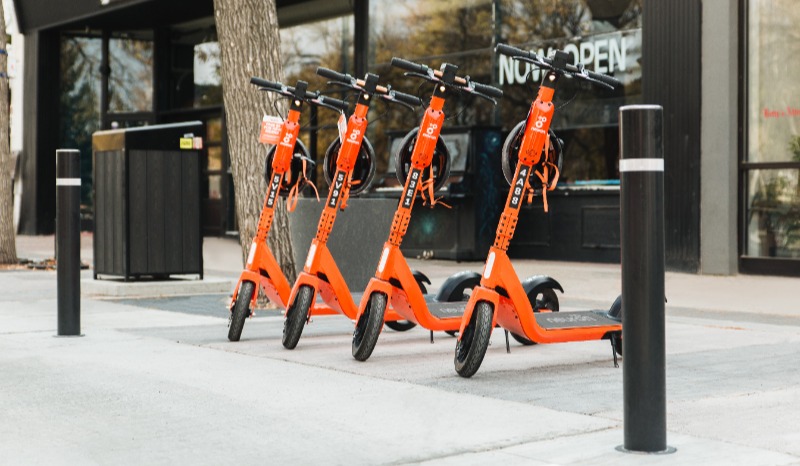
(421, 278)
(453, 288)
(538, 283)
(615, 311)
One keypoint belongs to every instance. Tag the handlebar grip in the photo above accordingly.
(610, 80)
(340, 104)
(409, 65)
(511, 51)
(265, 84)
(491, 91)
(409, 99)
(334, 75)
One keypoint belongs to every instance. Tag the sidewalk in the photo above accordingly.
(154, 380)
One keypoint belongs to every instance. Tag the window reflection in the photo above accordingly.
(773, 119)
(214, 130)
(207, 79)
(215, 187)
(214, 158)
(195, 79)
(79, 109)
(327, 43)
(603, 35)
(773, 219)
(131, 80)
(774, 109)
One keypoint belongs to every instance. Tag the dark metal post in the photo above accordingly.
(641, 170)
(68, 241)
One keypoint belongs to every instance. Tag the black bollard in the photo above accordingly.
(641, 168)
(68, 241)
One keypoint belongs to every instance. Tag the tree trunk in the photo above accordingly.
(250, 46)
(8, 248)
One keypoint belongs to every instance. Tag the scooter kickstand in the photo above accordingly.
(613, 341)
(431, 336)
(508, 347)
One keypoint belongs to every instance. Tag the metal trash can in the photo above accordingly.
(147, 201)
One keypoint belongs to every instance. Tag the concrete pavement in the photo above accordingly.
(154, 380)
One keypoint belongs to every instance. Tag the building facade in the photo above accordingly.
(720, 68)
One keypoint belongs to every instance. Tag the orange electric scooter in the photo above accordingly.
(501, 299)
(351, 152)
(288, 165)
(394, 281)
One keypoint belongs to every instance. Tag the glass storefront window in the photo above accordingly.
(773, 89)
(327, 43)
(604, 35)
(195, 79)
(80, 101)
(215, 187)
(131, 80)
(214, 130)
(772, 210)
(207, 79)
(773, 219)
(214, 158)
(459, 32)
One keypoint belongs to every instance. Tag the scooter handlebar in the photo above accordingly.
(266, 84)
(485, 89)
(409, 99)
(334, 75)
(331, 102)
(604, 78)
(409, 66)
(548, 62)
(511, 51)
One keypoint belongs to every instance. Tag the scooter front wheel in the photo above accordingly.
(471, 347)
(297, 316)
(241, 310)
(368, 327)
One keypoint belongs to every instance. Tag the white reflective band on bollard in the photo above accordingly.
(641, 165)
(68, 181)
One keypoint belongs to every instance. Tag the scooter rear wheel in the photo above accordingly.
(297, 316)
(241, 310)
(547, 299)
(368, 327)
(400, 325)
(471, 348)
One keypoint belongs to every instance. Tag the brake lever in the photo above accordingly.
(585, 76)
(426, 77)
(537, 61)
(391, 99)
(283, 92)
(478, 94)
(352, 87)
(320, 103)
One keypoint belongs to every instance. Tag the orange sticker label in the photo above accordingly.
(270, 130)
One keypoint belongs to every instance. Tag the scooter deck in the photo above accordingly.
(446, 310)
(574, 319)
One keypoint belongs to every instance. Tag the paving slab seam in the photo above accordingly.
(504, 445)
(53, 331)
